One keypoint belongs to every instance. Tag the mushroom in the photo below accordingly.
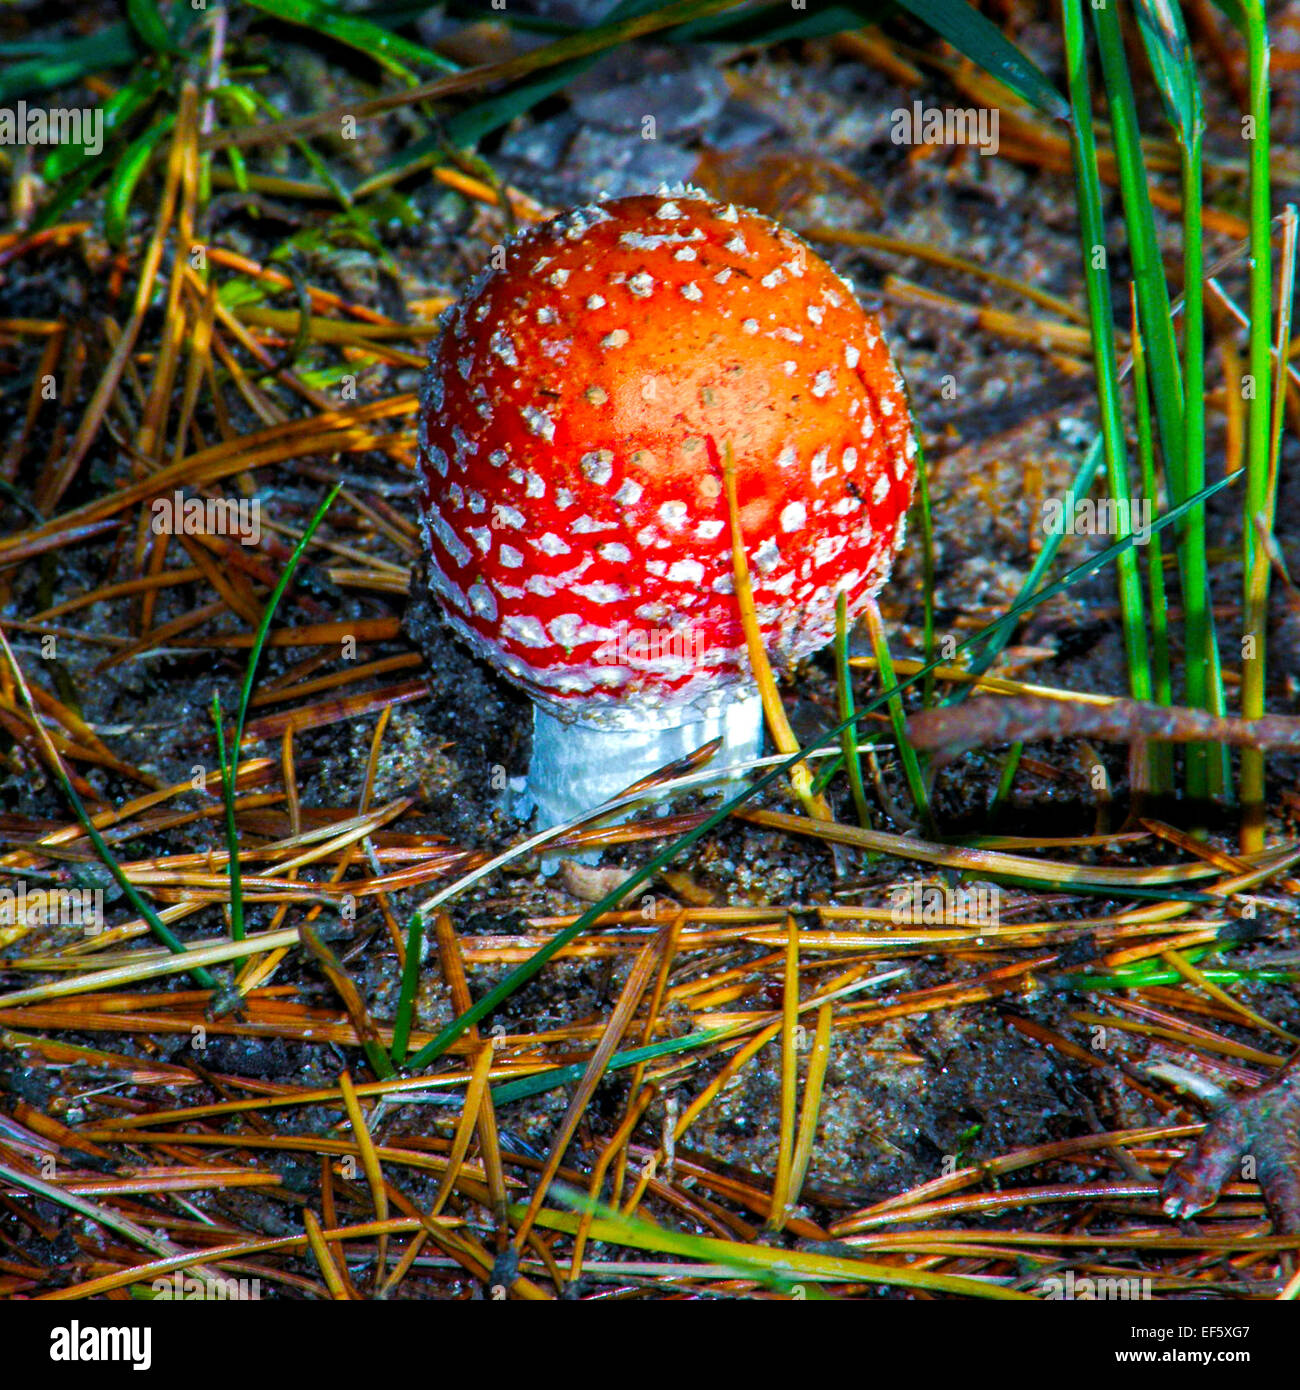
(575, 410)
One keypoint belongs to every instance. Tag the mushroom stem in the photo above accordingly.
(575, 767)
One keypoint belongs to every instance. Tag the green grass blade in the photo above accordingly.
(1092, 234)
(469, 126)
(1149, 978)
(768, 1264)
(410, 986)
(1164, 34)
(1179, 413)
(1207, 766)
(1235, 13)
(894, 704)
(844, 688)
(201, 977)
(1007, 777)
(259, 640)
(232, 830)
(147, 21)
(780, 26)
(554, 1077)
(1154, 307)
(983, 43)
(65, 160)
(1160, 22)
(1261, 478)
(1092, 566)
(392, 52)
(70, 61)
(927, 554)
(1162, 765)
(130, 169)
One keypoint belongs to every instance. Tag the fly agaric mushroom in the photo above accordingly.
(575, 409)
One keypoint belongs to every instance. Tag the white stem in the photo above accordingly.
(576, 767)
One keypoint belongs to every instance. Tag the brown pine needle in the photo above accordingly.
(453, 973)
(628, 1001)
(335, 1280)
(475, 1094)
(790, 1035)
(369, 1162)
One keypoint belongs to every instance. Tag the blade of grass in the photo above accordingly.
(119, 109)
(259, 640)
(984, 43)
(72, 60)
(1144, 248)
(232, 829)
(1208, 768)
(129, 170)
(554, 1077)
(1007, 777)
(757, 28)
(844, 687)
(1161, 25)
(927, 555)
(410, 984)
(1097, 277)
(1162, 763)
(391, 51)
(147, 21)
(1260, 497)
(897, 716)
(765, 1262)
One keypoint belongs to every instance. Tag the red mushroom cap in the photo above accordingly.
(575, 408)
